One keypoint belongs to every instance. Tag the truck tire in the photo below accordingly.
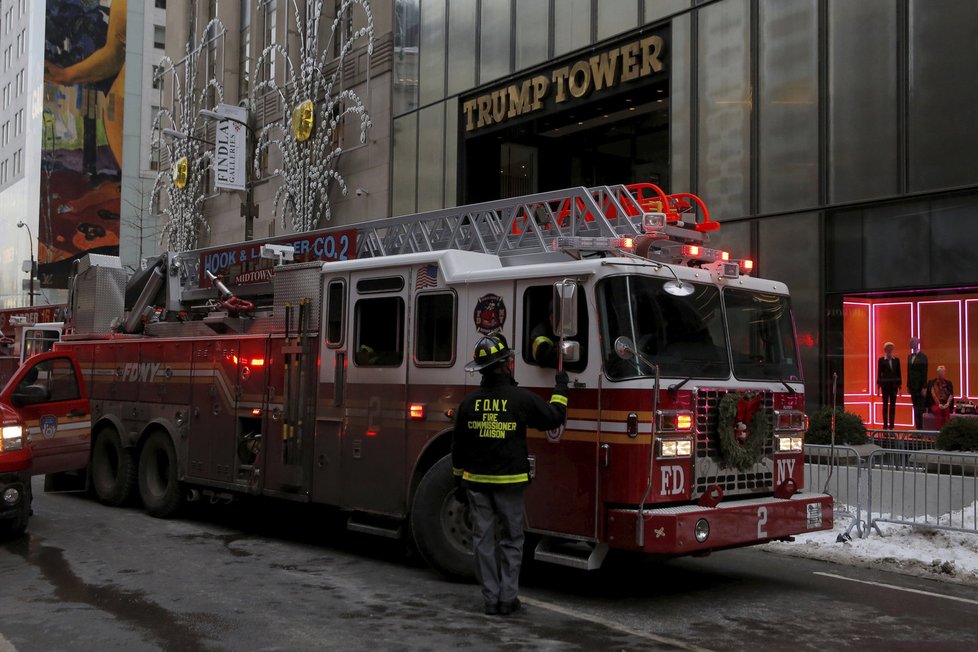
(440, 524)
(113, 468)
(14, 527)
(158, 485)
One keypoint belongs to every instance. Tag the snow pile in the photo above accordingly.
(915, 550)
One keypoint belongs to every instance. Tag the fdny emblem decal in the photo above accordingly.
(490, 313)
(49, 426)
(555, 434)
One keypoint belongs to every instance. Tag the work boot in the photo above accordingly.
(510, 606)
(492, 608)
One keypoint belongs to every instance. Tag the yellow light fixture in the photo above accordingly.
(179, 172)
(303, 119)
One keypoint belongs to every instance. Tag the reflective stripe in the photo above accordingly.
(496, 479)
(540, 341)
(457, 471)
(560, 400)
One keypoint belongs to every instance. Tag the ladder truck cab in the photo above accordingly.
(333, 378)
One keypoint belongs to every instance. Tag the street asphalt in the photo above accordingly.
(279, 576)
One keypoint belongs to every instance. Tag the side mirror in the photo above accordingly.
(571, 351)
(29, 395)
(565, 307)
(625, 348)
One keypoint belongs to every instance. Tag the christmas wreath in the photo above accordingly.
(743, 428)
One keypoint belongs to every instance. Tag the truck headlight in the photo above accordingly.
(791, 420)
(12, 438)
(675, 447)
(790, 444)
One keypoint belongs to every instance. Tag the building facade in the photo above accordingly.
(22, 106)
(19, 151)
(833, 139)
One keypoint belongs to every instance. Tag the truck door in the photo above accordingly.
(49, 395)
(373, 452)
(563, 495)
(333, 368)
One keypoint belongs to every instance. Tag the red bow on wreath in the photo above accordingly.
(746, 408)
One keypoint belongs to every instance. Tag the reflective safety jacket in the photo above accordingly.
(489, 441)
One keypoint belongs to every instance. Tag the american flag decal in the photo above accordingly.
(427, 277)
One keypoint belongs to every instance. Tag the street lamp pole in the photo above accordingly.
(30, 237)
(249, 210)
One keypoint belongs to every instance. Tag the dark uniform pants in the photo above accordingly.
(497, 564)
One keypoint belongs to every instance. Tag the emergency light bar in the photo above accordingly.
(586, 243)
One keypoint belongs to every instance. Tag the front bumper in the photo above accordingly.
(670, 530)
(21, 482)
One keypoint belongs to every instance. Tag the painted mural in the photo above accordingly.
(81, 151)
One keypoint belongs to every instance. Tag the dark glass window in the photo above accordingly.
(762, 335)
(682, 334)
(434, 340)
(335, 304)
(57, 378)
(380, 332)
(538, 323)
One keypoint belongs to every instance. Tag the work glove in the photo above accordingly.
(562, 380)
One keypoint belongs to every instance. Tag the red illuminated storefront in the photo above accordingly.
(945, 323)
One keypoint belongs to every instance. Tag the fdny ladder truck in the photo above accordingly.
(336, 382)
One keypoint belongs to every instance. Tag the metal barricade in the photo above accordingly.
(904, 440)
(934, 489)
(839, 471)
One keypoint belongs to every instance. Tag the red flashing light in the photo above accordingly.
(234, 359)
(627, 243)
(691, 251)
(372, 432)
(747, 264)
(416, 411)
(255, 412)
(684, 422)
(725, 256)
(258, 362)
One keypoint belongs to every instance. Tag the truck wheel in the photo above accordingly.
(440, 524)
(158, 485)
(14, 527)
(113, 468)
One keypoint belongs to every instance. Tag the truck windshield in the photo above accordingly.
(762, 336)
(683, 335)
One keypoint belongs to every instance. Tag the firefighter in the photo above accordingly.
(489, 460)
(543, 343)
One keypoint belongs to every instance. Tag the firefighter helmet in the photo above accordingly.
(490, 349)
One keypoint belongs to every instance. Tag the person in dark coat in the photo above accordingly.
(888, 381)
(491, 466)
(917, 381)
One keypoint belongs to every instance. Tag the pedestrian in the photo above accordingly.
(941, 397)
(917, 381)
(888, 381)
(492, 469)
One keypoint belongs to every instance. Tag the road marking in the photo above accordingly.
(897, 588)
(573, 613)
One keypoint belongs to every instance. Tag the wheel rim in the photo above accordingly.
(456, 523)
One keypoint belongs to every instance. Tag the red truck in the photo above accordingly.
(46, 429)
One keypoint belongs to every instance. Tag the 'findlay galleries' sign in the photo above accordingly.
(230, 148)
(603, 70)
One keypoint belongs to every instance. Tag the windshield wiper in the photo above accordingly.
(676, 386)
(791, 390)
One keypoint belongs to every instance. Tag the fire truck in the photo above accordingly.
(333, 376)
(25, 332)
